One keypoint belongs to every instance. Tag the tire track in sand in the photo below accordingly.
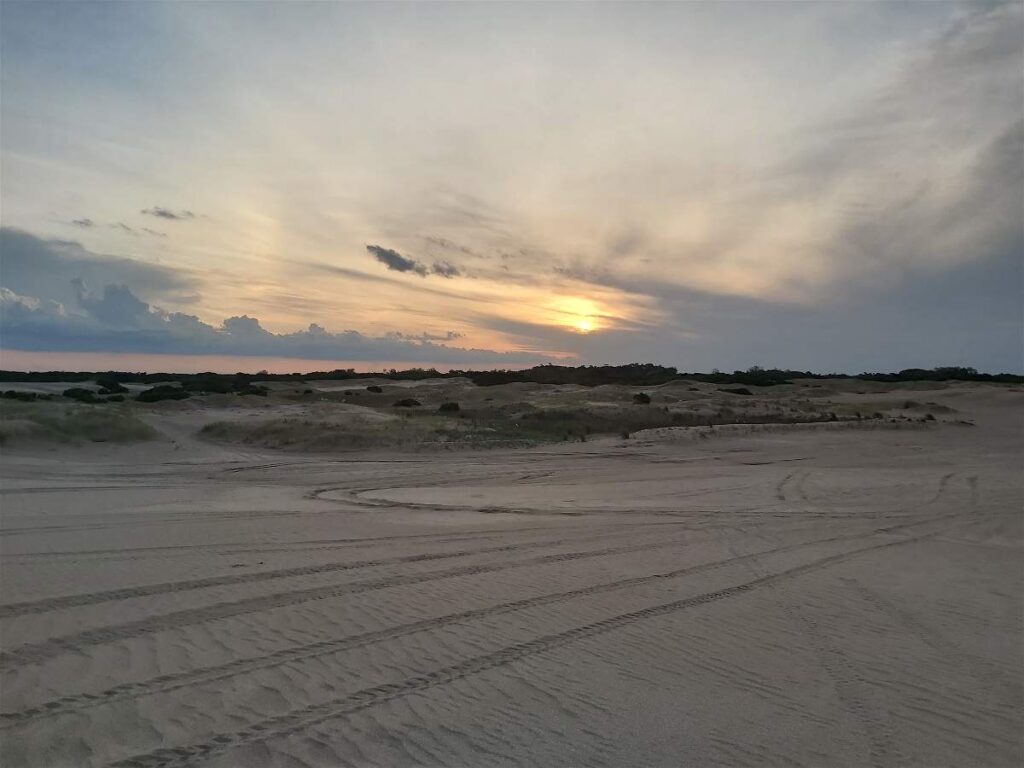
(176, 681)
(307, 717)
(168, 587)
(36, 652)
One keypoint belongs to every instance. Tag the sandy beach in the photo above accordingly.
(829, 594)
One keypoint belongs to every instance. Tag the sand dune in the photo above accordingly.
(792, 595)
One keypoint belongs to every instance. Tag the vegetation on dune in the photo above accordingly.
(81, 395)
(77, 425)
(634, 374)
(162, 392)
(110, 386)
(25, 397)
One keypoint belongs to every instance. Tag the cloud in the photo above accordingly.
(117, 306)
(426, 336)
(120, 225)
(166, 213)
(32, 266)
(447, 245)
(444, 269)
(83, 223)
(395, 261)
(116, 320)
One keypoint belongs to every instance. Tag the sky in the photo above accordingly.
(823, 186)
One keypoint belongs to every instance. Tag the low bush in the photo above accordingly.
(252, 389)
(374, 388)
(737, 391)
(642, 398)
(448, 408)
(97, 425)
(209, 386)
(25, 397)
(162, 392)
(111, 387)
(408, 402)
(81, 395)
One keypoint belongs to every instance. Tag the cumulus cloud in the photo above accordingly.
(167, 213)
(32, 266)
(116, 320)
(116, 306)
(395, 261)
(426, 336)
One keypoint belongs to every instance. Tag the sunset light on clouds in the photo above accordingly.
(696, 184)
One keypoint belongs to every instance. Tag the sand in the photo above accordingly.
(825, 595)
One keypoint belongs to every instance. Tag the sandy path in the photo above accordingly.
(788, 598)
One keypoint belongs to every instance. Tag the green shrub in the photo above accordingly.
(111, 386)
(97, 425)
(81, 395)
(449, 408)
(162, 392)
(642, 398)
(25, 397)
(219, 386)
(252, 389)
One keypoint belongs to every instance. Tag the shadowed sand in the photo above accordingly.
(841, 593)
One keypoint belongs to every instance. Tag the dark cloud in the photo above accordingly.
(117, 306)
(395, 261)
(83, 223)
(426, 336)
(444, 269)
(353, 274)
(166, 213)
(116, 320)
(45, 269)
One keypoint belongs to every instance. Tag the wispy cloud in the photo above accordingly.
(167, 213)
(393, 260)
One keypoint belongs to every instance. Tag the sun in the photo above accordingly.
(577, 314)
